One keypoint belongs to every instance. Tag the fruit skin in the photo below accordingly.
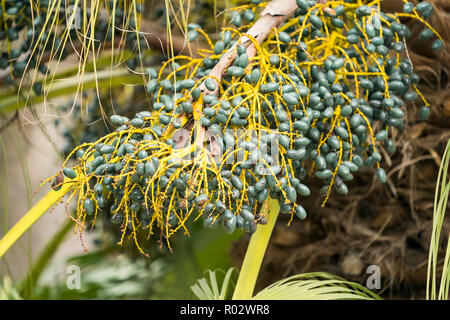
(69, 173)
(88, 207)
(300, 212)
(381, 175)
(210, 84)
(187, 83)
(316, 21)
(425, 8)
(192, 35)
(437, 45)
(408, 7)
(424, 113)
(425, 34)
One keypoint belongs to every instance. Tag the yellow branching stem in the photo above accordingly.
(164, 168)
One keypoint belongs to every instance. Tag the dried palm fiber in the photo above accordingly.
(385, 225)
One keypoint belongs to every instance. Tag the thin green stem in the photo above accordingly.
(31, 217)
(44, 258)
(255, 254)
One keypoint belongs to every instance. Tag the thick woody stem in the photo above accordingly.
(275, 13)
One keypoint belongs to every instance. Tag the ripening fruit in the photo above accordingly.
(69, 173)
(437, 45)
(424, 113)
(88, 207)
(300, 212)
(381, 175)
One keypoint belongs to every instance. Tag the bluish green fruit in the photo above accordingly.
(116, 120)
(89, 207)
(342, 188)
(192, 35)
(291, 194)
(284, 37)
(316, 21)
(408, 7)
(437, 45)
(236, 19)
(249, 15)
(274, 59)
(98, 188)
(303, 190)
(210, 223)
(381, 135)
(187, 83)
(219, 47)
(107, 148)
(425, 34)
(247, 215)
(235, 71)
(69, 173)
(381, 175)
(300, 212)
(424, 113)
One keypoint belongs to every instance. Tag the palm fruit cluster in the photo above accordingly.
(15, 18)
(317, 98)
(33, 33)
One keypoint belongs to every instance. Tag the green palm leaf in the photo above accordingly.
(208, 289)
(315, 286)
(440, 207)
(308, 286)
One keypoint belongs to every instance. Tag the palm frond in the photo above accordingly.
(208, 289)
(315, 286)
(440, 207)
(7, 290)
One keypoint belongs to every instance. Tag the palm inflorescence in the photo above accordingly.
(315, 94)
